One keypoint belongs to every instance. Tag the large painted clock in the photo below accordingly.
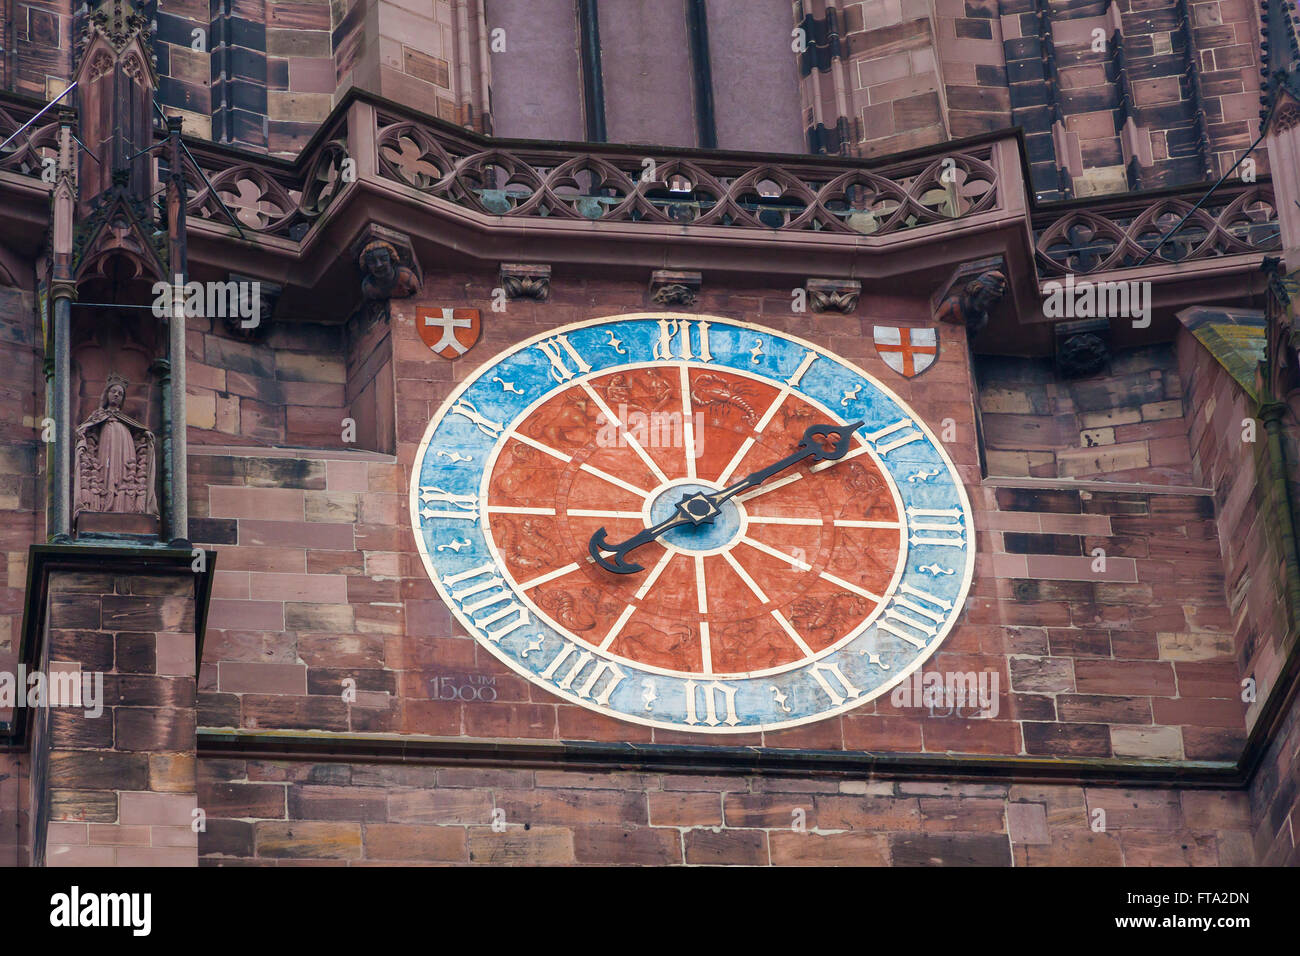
(692, 522)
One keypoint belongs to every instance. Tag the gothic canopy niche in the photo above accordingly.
(116, 81)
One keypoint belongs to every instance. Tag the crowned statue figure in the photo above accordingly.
(114, 459)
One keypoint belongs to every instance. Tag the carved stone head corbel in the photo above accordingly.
(389, 269)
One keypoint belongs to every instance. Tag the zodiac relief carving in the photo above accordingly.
(646, 391)
(752, 642)
(525, 542)
(824, 619)
(115, 460)
(528, 470)
(571, 423)
(664, 648)
(563, 606)
(719, 396)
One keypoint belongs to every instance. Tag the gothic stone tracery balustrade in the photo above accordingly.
(1116, 233)
(519, 180)
(624, 184)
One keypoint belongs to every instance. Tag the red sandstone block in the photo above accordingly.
(1154, 678)
(242, 800)
(510, 720)
(1216, 810)
(1208, 679)
(174, 837)
(435, 717)
(579, 723)
(870, 732)
(1080, 847)
(1136, 809)
(386, 841)
(230, 584)
(301, 534)
(247, 558)
(1027, 823)
(1067, 568)
(947, 814)
(617, 808)
(950, 735)
(174, 655)
(461, 806)
(485, 777)
(236, 677)
(1201, 712)
(1104, 709)
(765, 810)
(335, 562)
(538, 846)
(669, 809)
(305, 840)
(268, 504)
(66, 834)
(879, 813)
(110, 834)
(80, 855)
(1066, 740)
(347, 475)
(621, 846)
(790, 848)
(157, 809)
(246, 615)
(727, 847)
(594, 781)
(290, 713)
(322, 588)
(1212, 743)
(365, 804)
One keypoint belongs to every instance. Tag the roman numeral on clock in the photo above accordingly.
(486, 425)
(431, 495)
(555, 349)
(947, 522)
(794, 380)
(900, 433)
(715, 693)
(681, 329)
(819, 673)
(894, 620)
(600, 668)
(487, 609)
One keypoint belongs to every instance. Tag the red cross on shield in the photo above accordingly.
(449, 332)
(907, 351)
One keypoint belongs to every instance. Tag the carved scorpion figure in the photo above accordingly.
(718, 394)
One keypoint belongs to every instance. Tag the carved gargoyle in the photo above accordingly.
(971, 306)
(115, 459)
(384, 276)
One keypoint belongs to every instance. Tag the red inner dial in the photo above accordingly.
(787, 570)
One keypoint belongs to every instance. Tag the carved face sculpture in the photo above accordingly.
(114, 396)
(987, 290)
(379, 263)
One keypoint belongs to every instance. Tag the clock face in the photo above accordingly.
(692, 522)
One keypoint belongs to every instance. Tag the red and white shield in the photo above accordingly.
(449, 332)
(907, 351)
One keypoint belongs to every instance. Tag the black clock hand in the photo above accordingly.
(810, 445)
(618, 565)
(701, 509)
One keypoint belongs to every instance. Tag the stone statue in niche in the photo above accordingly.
(114, 464)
